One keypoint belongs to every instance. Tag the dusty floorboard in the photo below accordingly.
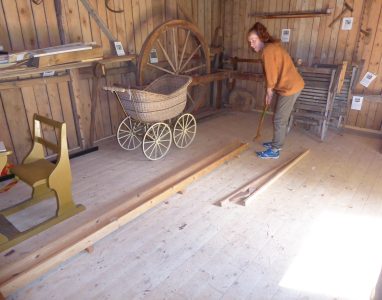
(320, 223)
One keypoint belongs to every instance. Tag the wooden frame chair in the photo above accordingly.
(315, 102)
(46, 179)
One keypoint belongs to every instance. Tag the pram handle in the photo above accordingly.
(115, 89)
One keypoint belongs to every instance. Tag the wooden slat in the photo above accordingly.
(5, 135)
(68, 115)
(17, 122)
(31, 82)
(26, 19)
(372, 18)
(30, 106)
(41, 23)
(43, 107)
(52, 23)
(14, 28)
(4, 36)
(137, 25)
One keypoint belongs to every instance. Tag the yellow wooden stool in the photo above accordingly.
(3, 159)
(46, 179)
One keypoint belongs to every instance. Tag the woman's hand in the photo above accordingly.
(268, 96)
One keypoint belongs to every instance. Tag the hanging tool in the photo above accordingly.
(113, 10)
(259, 127)
(346, 8)
(294, 14)
(92, 12)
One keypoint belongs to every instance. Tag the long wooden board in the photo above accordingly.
(246, 192)
(116, 215)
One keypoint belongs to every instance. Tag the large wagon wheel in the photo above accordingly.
(176, 47)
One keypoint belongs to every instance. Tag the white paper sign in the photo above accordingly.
(347, 23)
(2, 147)
(285, 35)
(153, 56)
(119, 48)
(367, 79)
(48, 73)
(357, 102)
(20, 57)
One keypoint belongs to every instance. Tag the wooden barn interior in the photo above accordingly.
(109, 191)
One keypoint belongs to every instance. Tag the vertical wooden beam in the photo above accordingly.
(64, 38)
(75, 95)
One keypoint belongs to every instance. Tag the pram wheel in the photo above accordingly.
(184, 130)
(157, 141)
(129, 134)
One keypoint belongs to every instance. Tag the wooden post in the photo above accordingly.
(99, 71)
(75, 96)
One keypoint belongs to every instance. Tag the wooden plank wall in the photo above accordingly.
(24, 25)
(313, 41)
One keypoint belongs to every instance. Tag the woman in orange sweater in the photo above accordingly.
(282, 79)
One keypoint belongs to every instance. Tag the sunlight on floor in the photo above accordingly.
(341, 257)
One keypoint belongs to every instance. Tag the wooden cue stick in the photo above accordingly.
(281, 171)
(260, 126)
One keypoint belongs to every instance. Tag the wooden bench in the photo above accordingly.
(47, 180)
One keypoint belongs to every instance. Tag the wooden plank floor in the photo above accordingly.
(314, 234)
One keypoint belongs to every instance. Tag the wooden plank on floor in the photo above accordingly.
(113, 218)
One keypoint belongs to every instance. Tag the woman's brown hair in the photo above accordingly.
(262, 32)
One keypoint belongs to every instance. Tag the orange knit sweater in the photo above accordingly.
(280, 72)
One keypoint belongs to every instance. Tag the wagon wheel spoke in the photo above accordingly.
(159, 135)
(151, 144)
(184, 49)
(189, 121)
(160, 68)
(175, 49)
(194, 68)
(154, 149)
(166, 55)
(182, 140)
(135, 139)
(125, 136)
(189, 58)
(160, 147)
(130, 140)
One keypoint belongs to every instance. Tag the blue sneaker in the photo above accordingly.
(269, 154)
(268, 145)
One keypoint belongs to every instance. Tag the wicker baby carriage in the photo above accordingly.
(150, 115)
